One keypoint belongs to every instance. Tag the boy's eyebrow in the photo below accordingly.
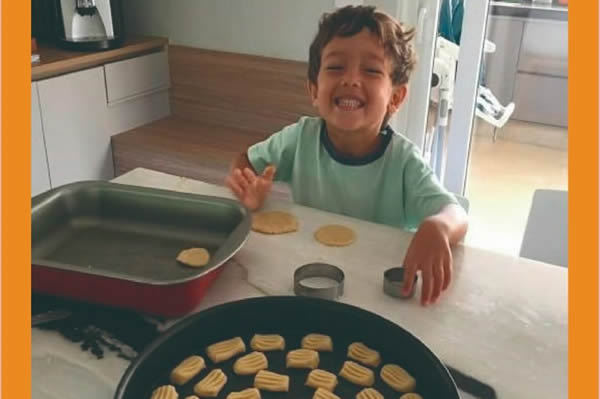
(367, 55)
(333, 54)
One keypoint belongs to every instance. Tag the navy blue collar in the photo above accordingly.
(386, 134)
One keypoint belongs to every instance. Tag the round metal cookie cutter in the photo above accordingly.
(393, 280)
(319, 270)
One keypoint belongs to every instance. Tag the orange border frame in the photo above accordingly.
(583, 199)
(16, 188)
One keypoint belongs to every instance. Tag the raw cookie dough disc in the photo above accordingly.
(335, 235)
(194, 257)
(274, 222)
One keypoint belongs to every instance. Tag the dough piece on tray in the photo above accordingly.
(250, 363)
(250, 393)
(269, 381)
(335, 235)
(321, 393)
(362, 353)
(317, 342)
(397, 378)
(187, 369)
(411, 395)
(194, 257)
(211, 385)
(274, 222)
(192, 397)
(369, 393)
(267, 342)
(321, 379)
(302, 359)
(357, 374)
(225, 350)
(164, 392)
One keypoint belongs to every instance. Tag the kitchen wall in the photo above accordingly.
(272, 28)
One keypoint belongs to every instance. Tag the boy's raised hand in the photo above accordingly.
(429, 251)
(250, 189)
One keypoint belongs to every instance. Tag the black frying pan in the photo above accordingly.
(292, 317)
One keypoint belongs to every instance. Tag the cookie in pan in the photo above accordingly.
(357, 374)
(269, 381)
(187, 369)
(321, 393)
(321, 379)
(369, 393)
(411, 395)
(363, 354)
(225, 350)
(211, 385)
(317, 342)
(250, 363)
(250, 393)
(302, 359)
(164, 392)
(267, 342)
(397, 378)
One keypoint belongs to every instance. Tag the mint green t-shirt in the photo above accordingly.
(395, 186)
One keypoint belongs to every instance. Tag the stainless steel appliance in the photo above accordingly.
(89, 24)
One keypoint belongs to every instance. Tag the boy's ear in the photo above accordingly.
(398, 97)
(312, 91)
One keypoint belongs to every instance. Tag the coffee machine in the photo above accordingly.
(89, 24)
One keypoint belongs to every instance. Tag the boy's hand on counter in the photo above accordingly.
(429, 251)
(249, 188)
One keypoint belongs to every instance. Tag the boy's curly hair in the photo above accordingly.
(350, 20)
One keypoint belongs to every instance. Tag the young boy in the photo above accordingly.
(349, 161)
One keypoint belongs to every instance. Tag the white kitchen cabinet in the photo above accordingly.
(40, 175)
(74, 118)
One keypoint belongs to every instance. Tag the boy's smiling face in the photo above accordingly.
(354, 89)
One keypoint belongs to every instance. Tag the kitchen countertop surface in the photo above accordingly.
(503, 320)
(528, 9)
(56, 61)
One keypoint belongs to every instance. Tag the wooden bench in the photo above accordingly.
(220, 104)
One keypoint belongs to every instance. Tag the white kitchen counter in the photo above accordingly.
(503, 320)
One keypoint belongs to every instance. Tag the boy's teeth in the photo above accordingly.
(348, 103)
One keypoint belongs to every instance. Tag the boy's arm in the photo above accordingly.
(242, 162)
(251, 189)
(430, 251)
(453, 221)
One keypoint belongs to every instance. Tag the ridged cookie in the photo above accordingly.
(267, 342)
(164, 392)
(250, 393)
(362, 353)
(317, 342)
(187, 369)
(397, 378)
(321, 393)
(269, 381)
(250, 363)
(302, 359)
(411, 395)
(211, 385)
(369, 393)
(321, 379)
(225, 350)
(357, 374)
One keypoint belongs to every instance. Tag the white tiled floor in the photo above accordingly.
(501, 181)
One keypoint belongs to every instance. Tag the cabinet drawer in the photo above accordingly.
(136, 76)
(544, 49)
(541, 99)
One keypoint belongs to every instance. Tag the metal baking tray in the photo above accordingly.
(117, 244)
(292, 317)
